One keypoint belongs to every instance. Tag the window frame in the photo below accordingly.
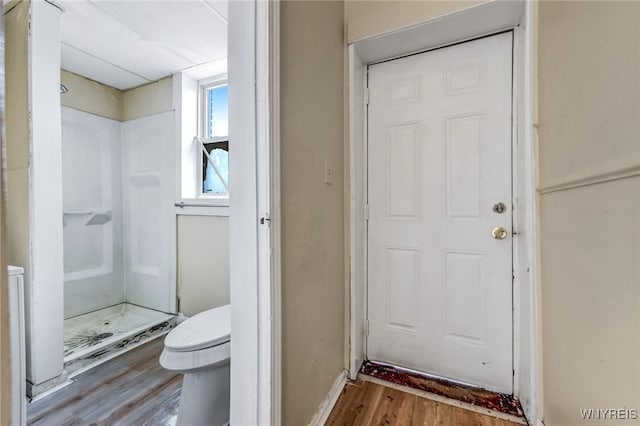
(205, 85)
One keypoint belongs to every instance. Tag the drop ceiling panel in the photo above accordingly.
(81, 63)
(191, 30)
(148, 39)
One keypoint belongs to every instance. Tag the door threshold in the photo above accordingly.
(473, 398)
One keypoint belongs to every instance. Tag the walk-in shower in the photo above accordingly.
(111, 245)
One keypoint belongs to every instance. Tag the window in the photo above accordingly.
(214, 139)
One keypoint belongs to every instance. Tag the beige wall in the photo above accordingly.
(589, 100)
(588, 89)
(98, 99)
(17, 132)
(312, 213)
(203, 263)
(90, 96)
(150, 99)
(369, 18)
(15, 240)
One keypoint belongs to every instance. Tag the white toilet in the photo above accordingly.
(200, 349)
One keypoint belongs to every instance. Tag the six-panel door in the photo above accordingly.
(439, 161)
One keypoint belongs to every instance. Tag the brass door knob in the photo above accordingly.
(499, 233)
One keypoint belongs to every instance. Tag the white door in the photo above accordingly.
(439, 161)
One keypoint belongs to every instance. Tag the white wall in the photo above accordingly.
(203, 232)
(34, 166)
(149, 221)
(185, 103)
(91, 182)
(46, 285)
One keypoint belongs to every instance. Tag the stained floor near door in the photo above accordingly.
(495, 401)
(366, 403)
(132, 389)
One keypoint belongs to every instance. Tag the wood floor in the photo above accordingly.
(366, 403)
(132, 389)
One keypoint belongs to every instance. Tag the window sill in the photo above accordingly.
(203, 207)
(203, 201)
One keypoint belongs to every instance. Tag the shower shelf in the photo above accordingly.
(98, 217)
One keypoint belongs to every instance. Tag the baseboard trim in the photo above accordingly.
(329, 401)
(34, 390)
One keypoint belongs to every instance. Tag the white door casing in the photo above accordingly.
(439, 159)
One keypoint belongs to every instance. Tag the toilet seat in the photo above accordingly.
(191, 361)
(204, 330)
(202, 341)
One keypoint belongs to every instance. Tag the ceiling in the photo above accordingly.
(125, 44)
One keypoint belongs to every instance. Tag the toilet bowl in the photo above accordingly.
(199, 348)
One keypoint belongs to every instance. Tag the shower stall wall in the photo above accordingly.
(92, 212)
(149, 162)
(119, 233)
(119, 227)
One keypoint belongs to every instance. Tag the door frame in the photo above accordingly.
(254, 212)
(477, 21)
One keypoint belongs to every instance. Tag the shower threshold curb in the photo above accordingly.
(113, 347)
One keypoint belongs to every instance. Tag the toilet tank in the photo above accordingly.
(16, 326)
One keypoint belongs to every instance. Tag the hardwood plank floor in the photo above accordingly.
(504, 403)
(366, 403)
(132, 389)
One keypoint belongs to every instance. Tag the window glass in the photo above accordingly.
(215, 176)
(215, 167)
(217, 112)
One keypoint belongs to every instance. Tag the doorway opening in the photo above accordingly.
(439, 297)
(380, 257)
(249, 36)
